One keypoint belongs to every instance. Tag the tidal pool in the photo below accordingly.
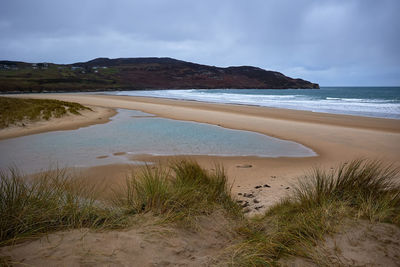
(135, 132)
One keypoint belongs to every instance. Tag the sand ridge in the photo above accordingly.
(145, 244)
(97, 115)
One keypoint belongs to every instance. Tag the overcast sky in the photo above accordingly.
(342, 42)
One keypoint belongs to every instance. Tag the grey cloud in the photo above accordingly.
(330, 42)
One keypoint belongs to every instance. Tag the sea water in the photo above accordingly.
(134, 133)
(382, 102)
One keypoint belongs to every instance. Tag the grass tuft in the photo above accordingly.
(182, 192)
(368, 187)
(49, 203)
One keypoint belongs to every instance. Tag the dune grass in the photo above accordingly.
(322, 201)
(179, 193)
(54, 201)
(19, 110)
(51, 202)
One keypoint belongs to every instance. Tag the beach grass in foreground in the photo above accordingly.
(20, 110)
(184, 192)
(54, 201)
(323, 201)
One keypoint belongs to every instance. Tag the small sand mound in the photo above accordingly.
(144, 245)
(360, 244)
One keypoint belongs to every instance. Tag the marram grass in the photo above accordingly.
(183, 191)
(19, 110)
(49, 203)
(54, 201)
(322, 201)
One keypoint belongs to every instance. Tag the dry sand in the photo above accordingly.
(145, 244)
(335, 138)
(360, 243)
(149, 244)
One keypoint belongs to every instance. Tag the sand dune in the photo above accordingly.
(68, 122)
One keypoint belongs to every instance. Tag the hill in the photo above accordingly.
(103, 74)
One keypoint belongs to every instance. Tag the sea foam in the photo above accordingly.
(383, 102)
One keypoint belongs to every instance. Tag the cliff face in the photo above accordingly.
(138, 73)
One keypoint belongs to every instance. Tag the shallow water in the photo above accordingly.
(135, 132)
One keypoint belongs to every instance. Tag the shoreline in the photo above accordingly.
(335, 138)
(249, 105)
(345, 120)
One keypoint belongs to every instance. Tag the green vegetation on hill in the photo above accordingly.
(322, 202)
(103, 74)
(19, 110)
(56, 78)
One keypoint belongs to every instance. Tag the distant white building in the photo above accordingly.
(8, 67)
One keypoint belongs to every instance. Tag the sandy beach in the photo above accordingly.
(335, 138)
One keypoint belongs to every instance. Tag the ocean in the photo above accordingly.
(381, 102)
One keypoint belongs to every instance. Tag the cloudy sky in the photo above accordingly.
(342, 42)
